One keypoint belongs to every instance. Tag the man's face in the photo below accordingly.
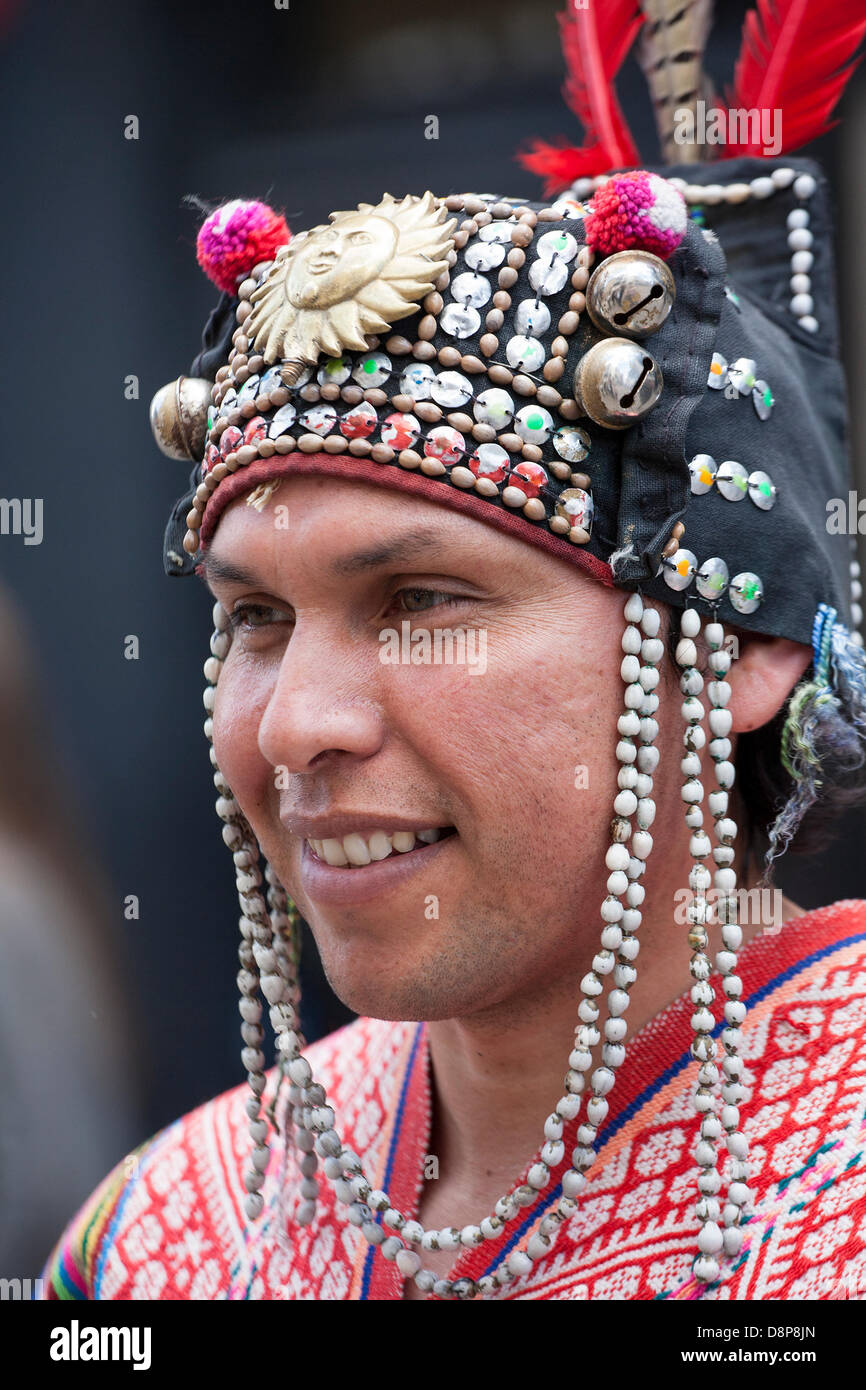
(514, 763)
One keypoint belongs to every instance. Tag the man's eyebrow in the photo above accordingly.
(410, 546)
(213, 567)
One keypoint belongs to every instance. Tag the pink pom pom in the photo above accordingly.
(636, 210)
(235, 238)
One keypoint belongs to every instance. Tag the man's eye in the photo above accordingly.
(416, 600)
(360, 238)
(250, 616)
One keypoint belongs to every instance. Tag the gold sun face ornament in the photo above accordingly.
(333, 285)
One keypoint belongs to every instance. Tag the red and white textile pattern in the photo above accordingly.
(168, 1222)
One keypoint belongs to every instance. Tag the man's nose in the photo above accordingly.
(324, 703)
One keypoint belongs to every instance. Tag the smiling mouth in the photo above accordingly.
(355, 851)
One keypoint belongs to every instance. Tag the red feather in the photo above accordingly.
(796, 58)
(595, 40)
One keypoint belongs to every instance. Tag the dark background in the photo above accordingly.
(313, 108)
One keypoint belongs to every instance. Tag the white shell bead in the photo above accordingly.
(647, 761)
(633, 610)
(687, 652)
(690, 622)
(625, 752)
(715, 635)
(631, 640)
(651, 621)
(719, 693)
(720, 721)
(617, 881)
(630, 669)
(725, 774)
(652, 650)
(710, 1238)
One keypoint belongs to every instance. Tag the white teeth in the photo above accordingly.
(332, 853)
(356, 851)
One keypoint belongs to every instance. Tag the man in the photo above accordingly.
(449, 834)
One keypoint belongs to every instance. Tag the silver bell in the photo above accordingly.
(617, 382)
(178, 417)
(630, 293)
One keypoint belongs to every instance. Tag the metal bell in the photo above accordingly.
(616, 382)
(630, 293)
(178, 417)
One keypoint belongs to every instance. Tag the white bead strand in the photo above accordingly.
(710, 1239)
(725, 829)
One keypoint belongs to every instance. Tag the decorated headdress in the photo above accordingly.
(639, 375)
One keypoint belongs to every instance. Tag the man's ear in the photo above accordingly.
(763, 675)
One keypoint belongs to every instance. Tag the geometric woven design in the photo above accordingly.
(168, 1222)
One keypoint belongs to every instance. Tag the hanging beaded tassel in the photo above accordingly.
(712, 1240)
(269, 958)
(266, 962)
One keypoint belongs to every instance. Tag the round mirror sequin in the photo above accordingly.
(548, 277)
(335, 371)
(762, 490)
(319, 419)
(459, 320)
(526, 354)
(746, 592)
(556, 245)
(742, 374)
(400, 431)
(499, 230)
(271, 381)
(282, 421)
(451, 389)
(732, 480)
(485, 255)
(230, 439)
(528, 478)
(534, 424)
(494, 407)
(762, 400)
(532, 317)
(417, 380)
(471, 288)
(490, 461)
(249, 390)
(679, 569)
(717, 379)
(576, 506)
(445, 444)
(572, 443)
(373, 369)
(703, 469)
(359, 422)
(711, 579)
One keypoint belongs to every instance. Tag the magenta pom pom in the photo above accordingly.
(235, 238)
(636, 210)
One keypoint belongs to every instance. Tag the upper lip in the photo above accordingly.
(334, 827)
